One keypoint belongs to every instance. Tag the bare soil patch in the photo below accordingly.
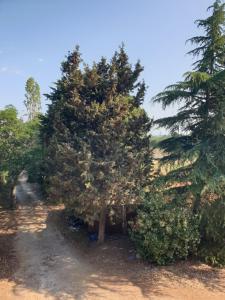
(57, 264)
(116, 259)
(8, 259)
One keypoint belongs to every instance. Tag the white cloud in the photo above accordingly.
(12, 71)
(17, 72)
(4, 69)
(40, 59)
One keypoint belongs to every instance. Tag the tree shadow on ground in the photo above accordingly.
(114, 271)
(61, 264)
(51, 266)
(8, 261)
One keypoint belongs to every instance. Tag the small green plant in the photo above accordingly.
(164, 231)
(213, 254)
(212, 247)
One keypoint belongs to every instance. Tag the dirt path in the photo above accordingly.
(47, 267)
(51, 268)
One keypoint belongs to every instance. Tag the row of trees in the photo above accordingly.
(201, 118)
(20, 146)
(97, 151)
(192, 194)
(96, 133)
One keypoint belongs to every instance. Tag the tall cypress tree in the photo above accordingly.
(97, 136)
(199, 148)
(33, 98)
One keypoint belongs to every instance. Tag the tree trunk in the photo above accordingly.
(197, 202)
(197, 194)
(124, 220)
(13, 196)
(101, 226)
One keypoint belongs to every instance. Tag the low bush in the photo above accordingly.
(212, 254)
(212, 246)
(164, 231)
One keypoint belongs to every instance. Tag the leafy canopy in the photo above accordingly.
(200, 122)
(97, 135)
(33, 98)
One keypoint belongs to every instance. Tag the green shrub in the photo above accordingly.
(212, 254)
(212, 247)
(164, 231)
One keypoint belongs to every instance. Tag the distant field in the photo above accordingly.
(158, 154)
(155, 140)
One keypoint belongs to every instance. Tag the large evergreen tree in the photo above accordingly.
(97, 136)
(200, 145)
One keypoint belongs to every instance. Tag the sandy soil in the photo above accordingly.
(50, 266)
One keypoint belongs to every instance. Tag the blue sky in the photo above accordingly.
(36, 35)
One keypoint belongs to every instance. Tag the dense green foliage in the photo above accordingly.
(196, 153)
(33, 98)
(199, 147)
(93, 150)
(165, 231)
(97, 137)
(11, 141)
(20, 149)
(212, 247)
(33, 151)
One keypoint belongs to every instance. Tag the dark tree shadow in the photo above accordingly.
(8, 260)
